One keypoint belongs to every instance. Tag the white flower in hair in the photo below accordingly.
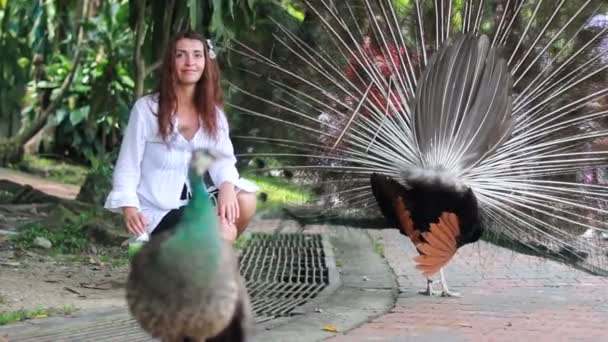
(212, 54)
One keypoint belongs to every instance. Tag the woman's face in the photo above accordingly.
(189, 61)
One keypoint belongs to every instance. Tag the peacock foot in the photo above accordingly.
(446, 292)
(429, 289)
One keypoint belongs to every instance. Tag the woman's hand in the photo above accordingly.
(227, 204)
(228, 230)
(135, 221)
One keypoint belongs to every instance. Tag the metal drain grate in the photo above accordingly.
(283, 271)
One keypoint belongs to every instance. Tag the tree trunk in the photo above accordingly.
(144, 68)
(138, 60)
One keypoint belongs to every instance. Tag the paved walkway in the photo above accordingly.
(506, 297)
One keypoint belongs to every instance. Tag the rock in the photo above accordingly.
(6, 232)
(10, 263)
(42, 242)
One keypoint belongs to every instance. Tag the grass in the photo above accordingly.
(6, 196)
(68, 240)
(21, 315)
(242, 241)
(53, 169)
(378, 247)
(114, 261)
(280, 191)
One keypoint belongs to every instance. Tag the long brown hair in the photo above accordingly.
(207, 94)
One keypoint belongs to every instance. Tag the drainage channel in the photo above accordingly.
(281, 271)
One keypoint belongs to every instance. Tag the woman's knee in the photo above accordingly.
(247, 206)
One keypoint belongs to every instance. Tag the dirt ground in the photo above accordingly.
(34, 278)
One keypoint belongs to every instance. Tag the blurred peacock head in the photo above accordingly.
(202, 159)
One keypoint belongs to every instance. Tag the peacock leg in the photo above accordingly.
(446, 292)
(429, 288)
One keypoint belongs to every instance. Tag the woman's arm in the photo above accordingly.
(123, 196)
(224, 170)
(224, 173)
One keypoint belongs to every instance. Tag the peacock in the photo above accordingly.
(429, 203)
(456, 120)
(184, 285)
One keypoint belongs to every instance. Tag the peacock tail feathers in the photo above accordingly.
(368, 89)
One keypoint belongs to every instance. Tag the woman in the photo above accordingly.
(150, 182)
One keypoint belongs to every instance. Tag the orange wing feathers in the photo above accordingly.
(440, 245)
(406, 221)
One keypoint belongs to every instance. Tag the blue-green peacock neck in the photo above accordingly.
(196, 244)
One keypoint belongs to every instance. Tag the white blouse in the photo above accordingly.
(150, 173)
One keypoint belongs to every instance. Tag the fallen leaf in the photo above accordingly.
(41, 316)
(330, 328)
(69, 289)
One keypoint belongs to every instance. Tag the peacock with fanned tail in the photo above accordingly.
(458, 119)
(184, 285)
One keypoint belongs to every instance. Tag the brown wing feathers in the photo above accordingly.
(440, 245)
(403, 215)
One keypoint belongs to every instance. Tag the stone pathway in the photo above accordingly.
(506, 297)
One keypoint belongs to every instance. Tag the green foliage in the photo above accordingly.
(97, 106)
(98, 180)
(69, 239)
(293, 10)
(114, 261)
(15, 65)
(6, 196)
(378, 247)
(280, 192)
(38, 41)
(242, 241)
(21, 315)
